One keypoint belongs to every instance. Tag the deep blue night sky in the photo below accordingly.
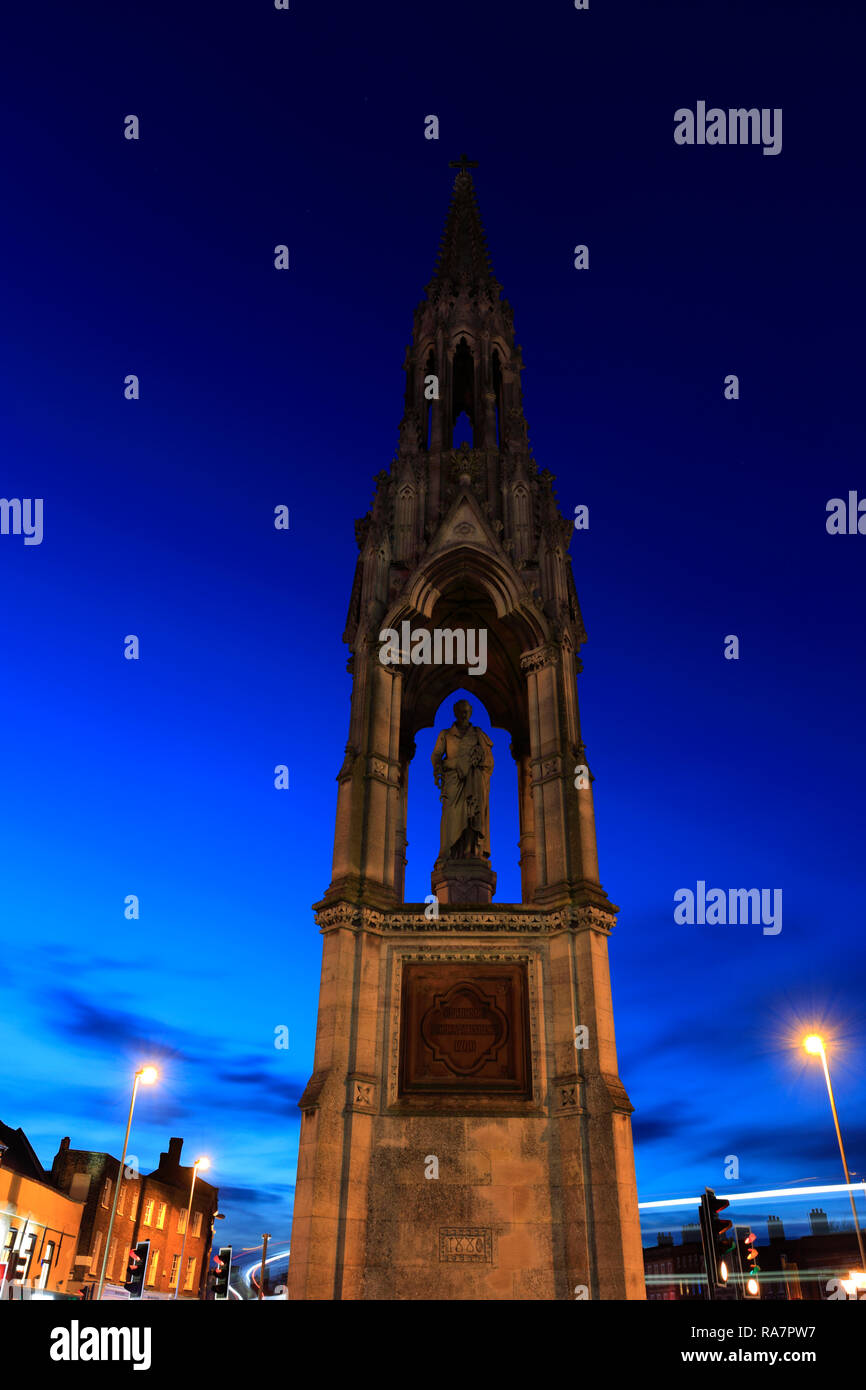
(707, 517)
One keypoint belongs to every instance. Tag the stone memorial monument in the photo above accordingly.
(465, 1133)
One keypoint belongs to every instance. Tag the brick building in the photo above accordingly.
(152, 1207)
(800, 1267)
(36, 1221)
(809, 1266)
(675, 1272)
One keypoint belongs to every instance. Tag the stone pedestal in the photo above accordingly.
(454, 1143)
(463, 881)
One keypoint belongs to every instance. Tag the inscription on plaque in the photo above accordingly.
(466, 1244)
(464, 1029)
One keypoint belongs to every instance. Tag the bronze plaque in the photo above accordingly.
(464, 1030)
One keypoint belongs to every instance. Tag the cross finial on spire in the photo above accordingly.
(463, 163)
(463, 254)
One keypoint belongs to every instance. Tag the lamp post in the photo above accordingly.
(815, 1046)
(204, 1164)
(146, 1077)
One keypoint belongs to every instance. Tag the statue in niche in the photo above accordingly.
(462, 764)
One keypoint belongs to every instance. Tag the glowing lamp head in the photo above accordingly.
(753, 1286)
(814, 1044)
(202, 1164)
(723, 1272)
(148, 1075)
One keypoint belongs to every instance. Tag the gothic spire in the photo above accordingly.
(463, 257)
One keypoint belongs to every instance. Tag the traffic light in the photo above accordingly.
(136, 1268)
(717, 1238)
(751, 1268)
(222, 1269)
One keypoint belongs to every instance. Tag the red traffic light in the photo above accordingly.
(716, 1204)
(222, 1271)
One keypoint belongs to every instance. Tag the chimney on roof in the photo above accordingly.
(169, 1163)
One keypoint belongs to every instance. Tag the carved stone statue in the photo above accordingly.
(462, 764)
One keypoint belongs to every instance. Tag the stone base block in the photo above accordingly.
(470, 881)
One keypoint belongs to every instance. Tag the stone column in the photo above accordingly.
(548, 775)
(587, 847)
(526, 843)
(437, 427)
(608, 1142)
(400, 841)
(338, 1107)
(370, 803)
(567, 859)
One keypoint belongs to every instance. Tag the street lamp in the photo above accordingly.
(146, 1077)
(815, 1045)
(204, 1164)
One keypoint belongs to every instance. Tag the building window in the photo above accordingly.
(97, 1247)
(148, 1212)
(160, 1216)
(181, 1220)
(47, 1261)
(190, 1273)
(175, 1265)
(106, 1192)
(196, 1223)
(25, 1253)
(120, 1196)
(112, 1256)
(79, 1187)
(152, 1268)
